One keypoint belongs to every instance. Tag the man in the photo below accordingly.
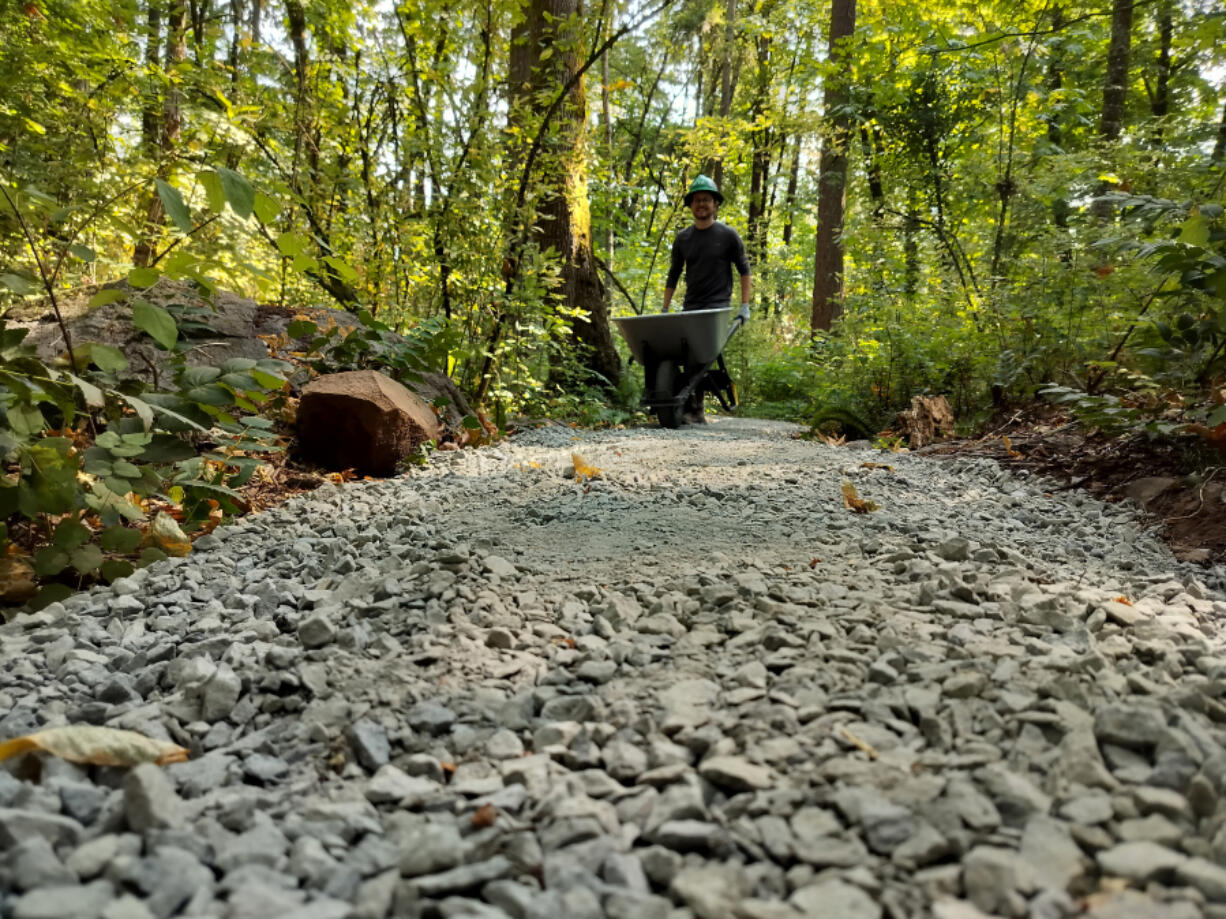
(706, 250)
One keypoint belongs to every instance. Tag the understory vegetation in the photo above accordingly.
(1021, 200)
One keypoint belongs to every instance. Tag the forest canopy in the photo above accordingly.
(976, 199)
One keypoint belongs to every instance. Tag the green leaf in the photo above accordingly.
(156, 322)
(52, 593)
(108, 358)
(301, 328)
(84, 253)
(114, 569)
(291, 244)
(150, 555)
(1195, 231)
(213, 191)
(198, 376)
(471, 422)
(267, 380)
(143, 410)
(87, 559)
(105, 296)
(50, 561)
(120, 538)
(19, 285)
(176, 210)
(111, 506)
(266, 208)
(26, 420)
(212, 394)
(1216, 417)
(93, 395)
(143, 277)
(126, 470)
(167, 448)
(342, 268)
(237, 365)
(238, 192)
(70, 533)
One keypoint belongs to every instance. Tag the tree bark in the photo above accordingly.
(1115, 87)
(726, 84)
(1160, 93)
(563, 219)
(1219, 146)
(832, 182)
(169, 125)
(763, 141)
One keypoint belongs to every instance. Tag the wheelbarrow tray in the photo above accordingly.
(694, 337)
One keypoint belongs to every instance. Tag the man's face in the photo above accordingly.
(702, 205)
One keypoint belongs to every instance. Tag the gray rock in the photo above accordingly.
(1134, 727)
(464, 877)
(316, 631)
(1206, 876)
(369, 743)
(992, 875)
(428, 848)
(17, 825)
(1140, 862)
(734, 774)
(709, 891)
(220, 694)
(150, 801)
(35, 864)
(430, 717)
(67, 901)
(835, 897)
(1054, 860)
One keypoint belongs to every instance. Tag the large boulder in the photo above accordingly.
(222, 325)
(362, 420)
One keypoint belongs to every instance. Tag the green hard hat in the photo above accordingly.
(702, 183)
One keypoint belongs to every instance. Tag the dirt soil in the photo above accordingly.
(1181, 485)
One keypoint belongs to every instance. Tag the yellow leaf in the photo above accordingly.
(168, 537)
(853, 501)
(877, 466)
(16, 580)
(583, 471)
(85, 743)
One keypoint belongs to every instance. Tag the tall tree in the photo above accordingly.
(545, 58)
(161, 129)
(832, 181)
(1115, 84)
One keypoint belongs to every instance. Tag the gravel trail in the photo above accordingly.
(696, 686)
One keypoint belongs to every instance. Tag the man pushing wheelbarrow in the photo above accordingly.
(682, 354)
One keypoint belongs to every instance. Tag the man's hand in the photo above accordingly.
(743, 315)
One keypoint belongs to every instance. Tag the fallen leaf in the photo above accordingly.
(560, 640)
(815, 562)
(852, 500)
(484, 816)
(1009, 447)
(449, 768)
(16, 580)
(867, 465)
(97, 746)
(1123, 600)
(165, 534)
(583, 471)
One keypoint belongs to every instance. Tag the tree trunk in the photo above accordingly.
(1219, 146)
(169, 126)
(1160, 94)
(789, 201)
(543, 60)
(725, 82)
(1115, 87)
(832, 181)
(763, 141)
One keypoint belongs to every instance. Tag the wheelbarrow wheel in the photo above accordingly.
(664, 393)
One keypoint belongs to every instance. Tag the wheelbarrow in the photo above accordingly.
(683, 357)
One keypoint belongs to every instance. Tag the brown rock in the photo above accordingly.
(929, 419)
(1147, 490)
(362, 420)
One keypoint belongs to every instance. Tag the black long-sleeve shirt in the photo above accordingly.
(707, 257)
